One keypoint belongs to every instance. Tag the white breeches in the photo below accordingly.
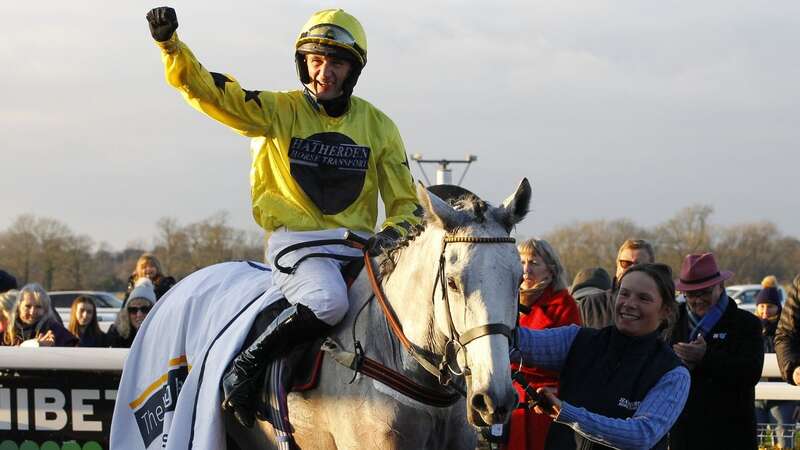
(318, 282)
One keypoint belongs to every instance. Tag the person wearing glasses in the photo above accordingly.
(140, 301)
(721, 345)
(321, 156)
(597, 308)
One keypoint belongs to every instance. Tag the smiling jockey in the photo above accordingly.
(320, 158)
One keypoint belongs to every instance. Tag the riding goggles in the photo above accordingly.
(330, 34)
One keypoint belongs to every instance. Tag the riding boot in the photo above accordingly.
(293, 326)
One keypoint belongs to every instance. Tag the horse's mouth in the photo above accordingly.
(479, 419)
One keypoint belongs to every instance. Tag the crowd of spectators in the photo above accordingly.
(28, 318)
(692, 362)
(703, 357)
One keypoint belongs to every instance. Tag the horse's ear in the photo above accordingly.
(515, 207)
(437, 210)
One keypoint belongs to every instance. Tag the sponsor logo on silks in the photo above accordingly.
(627, 404)
(159, 398)
(330, 168)
(343, 156)
(720, 336)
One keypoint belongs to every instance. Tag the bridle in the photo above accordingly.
(444, 369)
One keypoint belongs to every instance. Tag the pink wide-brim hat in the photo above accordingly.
(700, 271)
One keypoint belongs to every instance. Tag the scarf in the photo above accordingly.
(706, 323)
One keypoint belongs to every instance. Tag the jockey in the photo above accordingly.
(320, 158)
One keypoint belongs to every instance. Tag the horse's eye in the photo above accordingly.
(451, 283)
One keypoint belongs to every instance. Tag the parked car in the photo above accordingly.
(108, 305)
(745, 295)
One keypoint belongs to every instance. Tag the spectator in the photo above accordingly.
(621, 386)
(776, 412)
(83, 323)
(722, 347)
(7, 301)
(591, 291)
(147, 266)
(141, 299)
(7, 282)
(597, 310)
(772, 281)
(544, 303)
(33, 323)
(787, 339)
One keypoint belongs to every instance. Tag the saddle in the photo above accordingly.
(302, 364)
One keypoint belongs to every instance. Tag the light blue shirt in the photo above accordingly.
(548, 349)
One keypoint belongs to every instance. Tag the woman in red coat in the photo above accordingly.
(544, 302)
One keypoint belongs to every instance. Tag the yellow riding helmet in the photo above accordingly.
(332, 32)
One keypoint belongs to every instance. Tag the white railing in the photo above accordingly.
(775, 390)
(63, 358)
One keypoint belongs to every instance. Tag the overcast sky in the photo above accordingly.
(611, 108)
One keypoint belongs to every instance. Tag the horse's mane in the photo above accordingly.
(466, 201)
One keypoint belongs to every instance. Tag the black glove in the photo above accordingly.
(381, 241)
(163, 22)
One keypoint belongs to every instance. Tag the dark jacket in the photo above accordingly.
(720, 411)
(116, 340)
(626, 367)
(161, 284)
(596, 307)
(787, 337)
(90, 339)
(62, 336)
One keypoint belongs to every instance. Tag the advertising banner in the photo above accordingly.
(56, 409)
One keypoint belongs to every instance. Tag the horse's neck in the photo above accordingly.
(408, 290)
(411, 284)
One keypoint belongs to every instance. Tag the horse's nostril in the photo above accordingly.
(479, 403)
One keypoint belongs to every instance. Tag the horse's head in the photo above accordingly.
(481, 274)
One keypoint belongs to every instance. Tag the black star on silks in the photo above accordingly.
(252, 95)
(220, 80)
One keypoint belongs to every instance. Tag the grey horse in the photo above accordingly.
(481, 282)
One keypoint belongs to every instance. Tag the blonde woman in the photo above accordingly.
(147, 266)
(544, 302)
(34, 323)
(7, 301)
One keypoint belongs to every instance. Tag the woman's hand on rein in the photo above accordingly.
(547, 403)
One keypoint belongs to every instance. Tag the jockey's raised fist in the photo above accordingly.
(163, 22)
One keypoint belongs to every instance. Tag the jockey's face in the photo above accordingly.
(327, 75)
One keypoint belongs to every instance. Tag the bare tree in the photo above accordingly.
(78, 261)
(172, 246)
(592, 244)
(18, 247)
(686, 232)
